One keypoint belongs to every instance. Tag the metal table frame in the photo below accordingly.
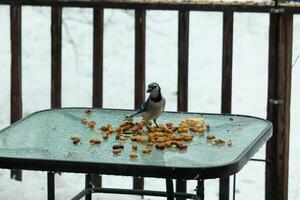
(89, 190)
(170, 194)
(169, 173)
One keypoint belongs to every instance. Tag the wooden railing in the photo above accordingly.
(226, 83)
(279, 81)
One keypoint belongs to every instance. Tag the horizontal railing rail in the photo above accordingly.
(235, 6)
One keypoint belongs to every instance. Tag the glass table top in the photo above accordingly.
(46, 135)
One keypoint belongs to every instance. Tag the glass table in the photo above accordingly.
(41, 141)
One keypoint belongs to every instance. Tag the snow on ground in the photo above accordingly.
(249, 83)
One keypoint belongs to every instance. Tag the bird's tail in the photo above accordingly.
(133, 114)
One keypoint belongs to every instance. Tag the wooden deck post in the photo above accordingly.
(278, 105)
(183, 60)
(56, 37)
(139, 71)
(98, 26)
(226, 85)
(56, 41)
(98, 57)
(182, 81)
(16, 71)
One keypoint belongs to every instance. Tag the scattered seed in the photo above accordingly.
(116, 151)
(132, 155)
(134, 146)
(95, 141)
(147, 150)
(183, 130)
(122, 138)
(218, 142)
(105, 136)
(169, 124)
(68, 154)
(104, 128)
(88, 111)
(118, 129)
(160, 146)
(109, 128)
(168, 144)
(75, 139)
(118, 146)
(92, 124)
(150, 144)
(84, 120)
(229, 142)
(188, 138)
(210, 136)
(181, 146)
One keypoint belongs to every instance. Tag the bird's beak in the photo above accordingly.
(149, 90)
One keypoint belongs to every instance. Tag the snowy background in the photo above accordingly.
(250, 64)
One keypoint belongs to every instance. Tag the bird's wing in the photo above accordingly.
(164, 104)
(144, 108)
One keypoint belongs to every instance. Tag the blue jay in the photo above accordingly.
(153, 106)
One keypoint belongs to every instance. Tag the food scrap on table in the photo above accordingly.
(75, 139)
(161, 137)
(88, 111)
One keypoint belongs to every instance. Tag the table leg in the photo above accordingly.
(50, 186)
(234, 182)
(200, 190)
(170, 189)
(180, 187)
(87, 186)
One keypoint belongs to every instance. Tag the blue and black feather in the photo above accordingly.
(144, 108)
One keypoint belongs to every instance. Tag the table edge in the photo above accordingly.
(139, 170)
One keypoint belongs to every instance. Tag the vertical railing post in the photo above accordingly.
(56, 40)
(278, 105)
(140, 57)
(227, 50)
(16, 71)
(98, 57)
(183, 60)
(97, 70)
(182, 87)
(139, 73)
